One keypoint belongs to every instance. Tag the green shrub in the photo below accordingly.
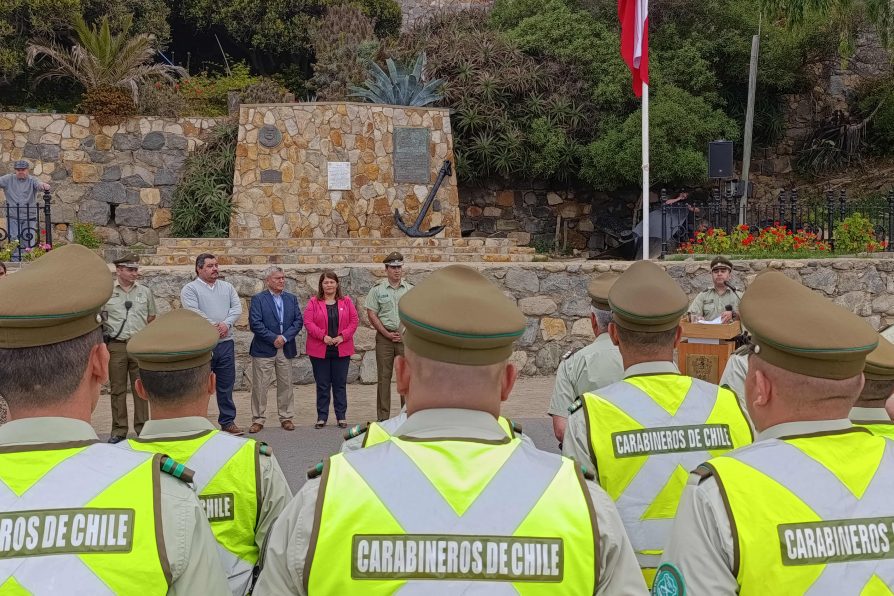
(265, 90)
(856, 234)
(385, 14)
(344, 40)
(203, 199)
(109, 105)
(161, 99)
(206, 93)
(877, 101)
(85, 234)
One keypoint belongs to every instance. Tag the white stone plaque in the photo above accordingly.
(339, 175)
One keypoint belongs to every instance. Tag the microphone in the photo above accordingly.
(127, 305)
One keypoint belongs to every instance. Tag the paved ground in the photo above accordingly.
(305, 446)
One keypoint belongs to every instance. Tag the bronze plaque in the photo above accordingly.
(269, 136)
(271, 176)
(412, 161)
(703, 366)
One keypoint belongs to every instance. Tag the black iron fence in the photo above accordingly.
(27, 225)
(681, 221)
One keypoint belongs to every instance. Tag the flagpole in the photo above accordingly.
(645, 134)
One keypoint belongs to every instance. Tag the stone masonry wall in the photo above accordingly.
(120, 178)
(281, 185)
(551, 295)
(537, 214)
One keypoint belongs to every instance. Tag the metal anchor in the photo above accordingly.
(414, 231)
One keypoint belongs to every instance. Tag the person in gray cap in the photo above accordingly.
(130, 309)
(21, 189)
(381, 309)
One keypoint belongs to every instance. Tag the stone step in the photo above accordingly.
(352, 243)
(364, 250)
(336, 258)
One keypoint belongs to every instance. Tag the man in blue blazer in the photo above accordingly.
(275, 319)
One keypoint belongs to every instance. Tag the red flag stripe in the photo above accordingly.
(634, 17)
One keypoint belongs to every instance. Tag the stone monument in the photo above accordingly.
(341, 170)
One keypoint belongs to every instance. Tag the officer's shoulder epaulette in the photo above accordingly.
(703, 472)
(265, 449)
(356, 431)
(576, 405)
(587, 472)
(315, 471)
(742, 350)
(569, 353)
(178, 471)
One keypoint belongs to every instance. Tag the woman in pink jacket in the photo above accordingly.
(330, 320)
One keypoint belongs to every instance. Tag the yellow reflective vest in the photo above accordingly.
(465, 514)
(877, 427)
(227, 481)
(646, 434)
(82, 518)
(811, 514)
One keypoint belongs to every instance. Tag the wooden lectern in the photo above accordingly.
(704, 350)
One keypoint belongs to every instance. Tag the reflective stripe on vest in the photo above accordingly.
(476, 517)
(812, 515)
(80, 519)
(379, 432)
(877, 427)
(226, 480)
(646, 434)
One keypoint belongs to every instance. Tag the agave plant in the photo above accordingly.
(398, 86)
(101, 59)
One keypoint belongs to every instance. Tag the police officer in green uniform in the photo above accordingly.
(78, 516)
(239, 482)
(713, 302)
(643, 434)
(591, 367)
(381, 309)
(806, 509)
(869, 411)
(131, 308)
(452, 505)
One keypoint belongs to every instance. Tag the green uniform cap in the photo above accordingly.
(645, 298)
(178, 340)
(599, 288)
(56, 298)
(880, 362)
(720, 262)
(129, 260)
(456, 315)
(394, 259)
(798, 330)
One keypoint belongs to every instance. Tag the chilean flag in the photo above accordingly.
(634, 17)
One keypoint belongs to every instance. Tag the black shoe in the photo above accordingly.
(114, 439)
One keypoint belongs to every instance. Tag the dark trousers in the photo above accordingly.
(386, 352)
(121, 365)
(223, 365)
(331, 375)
